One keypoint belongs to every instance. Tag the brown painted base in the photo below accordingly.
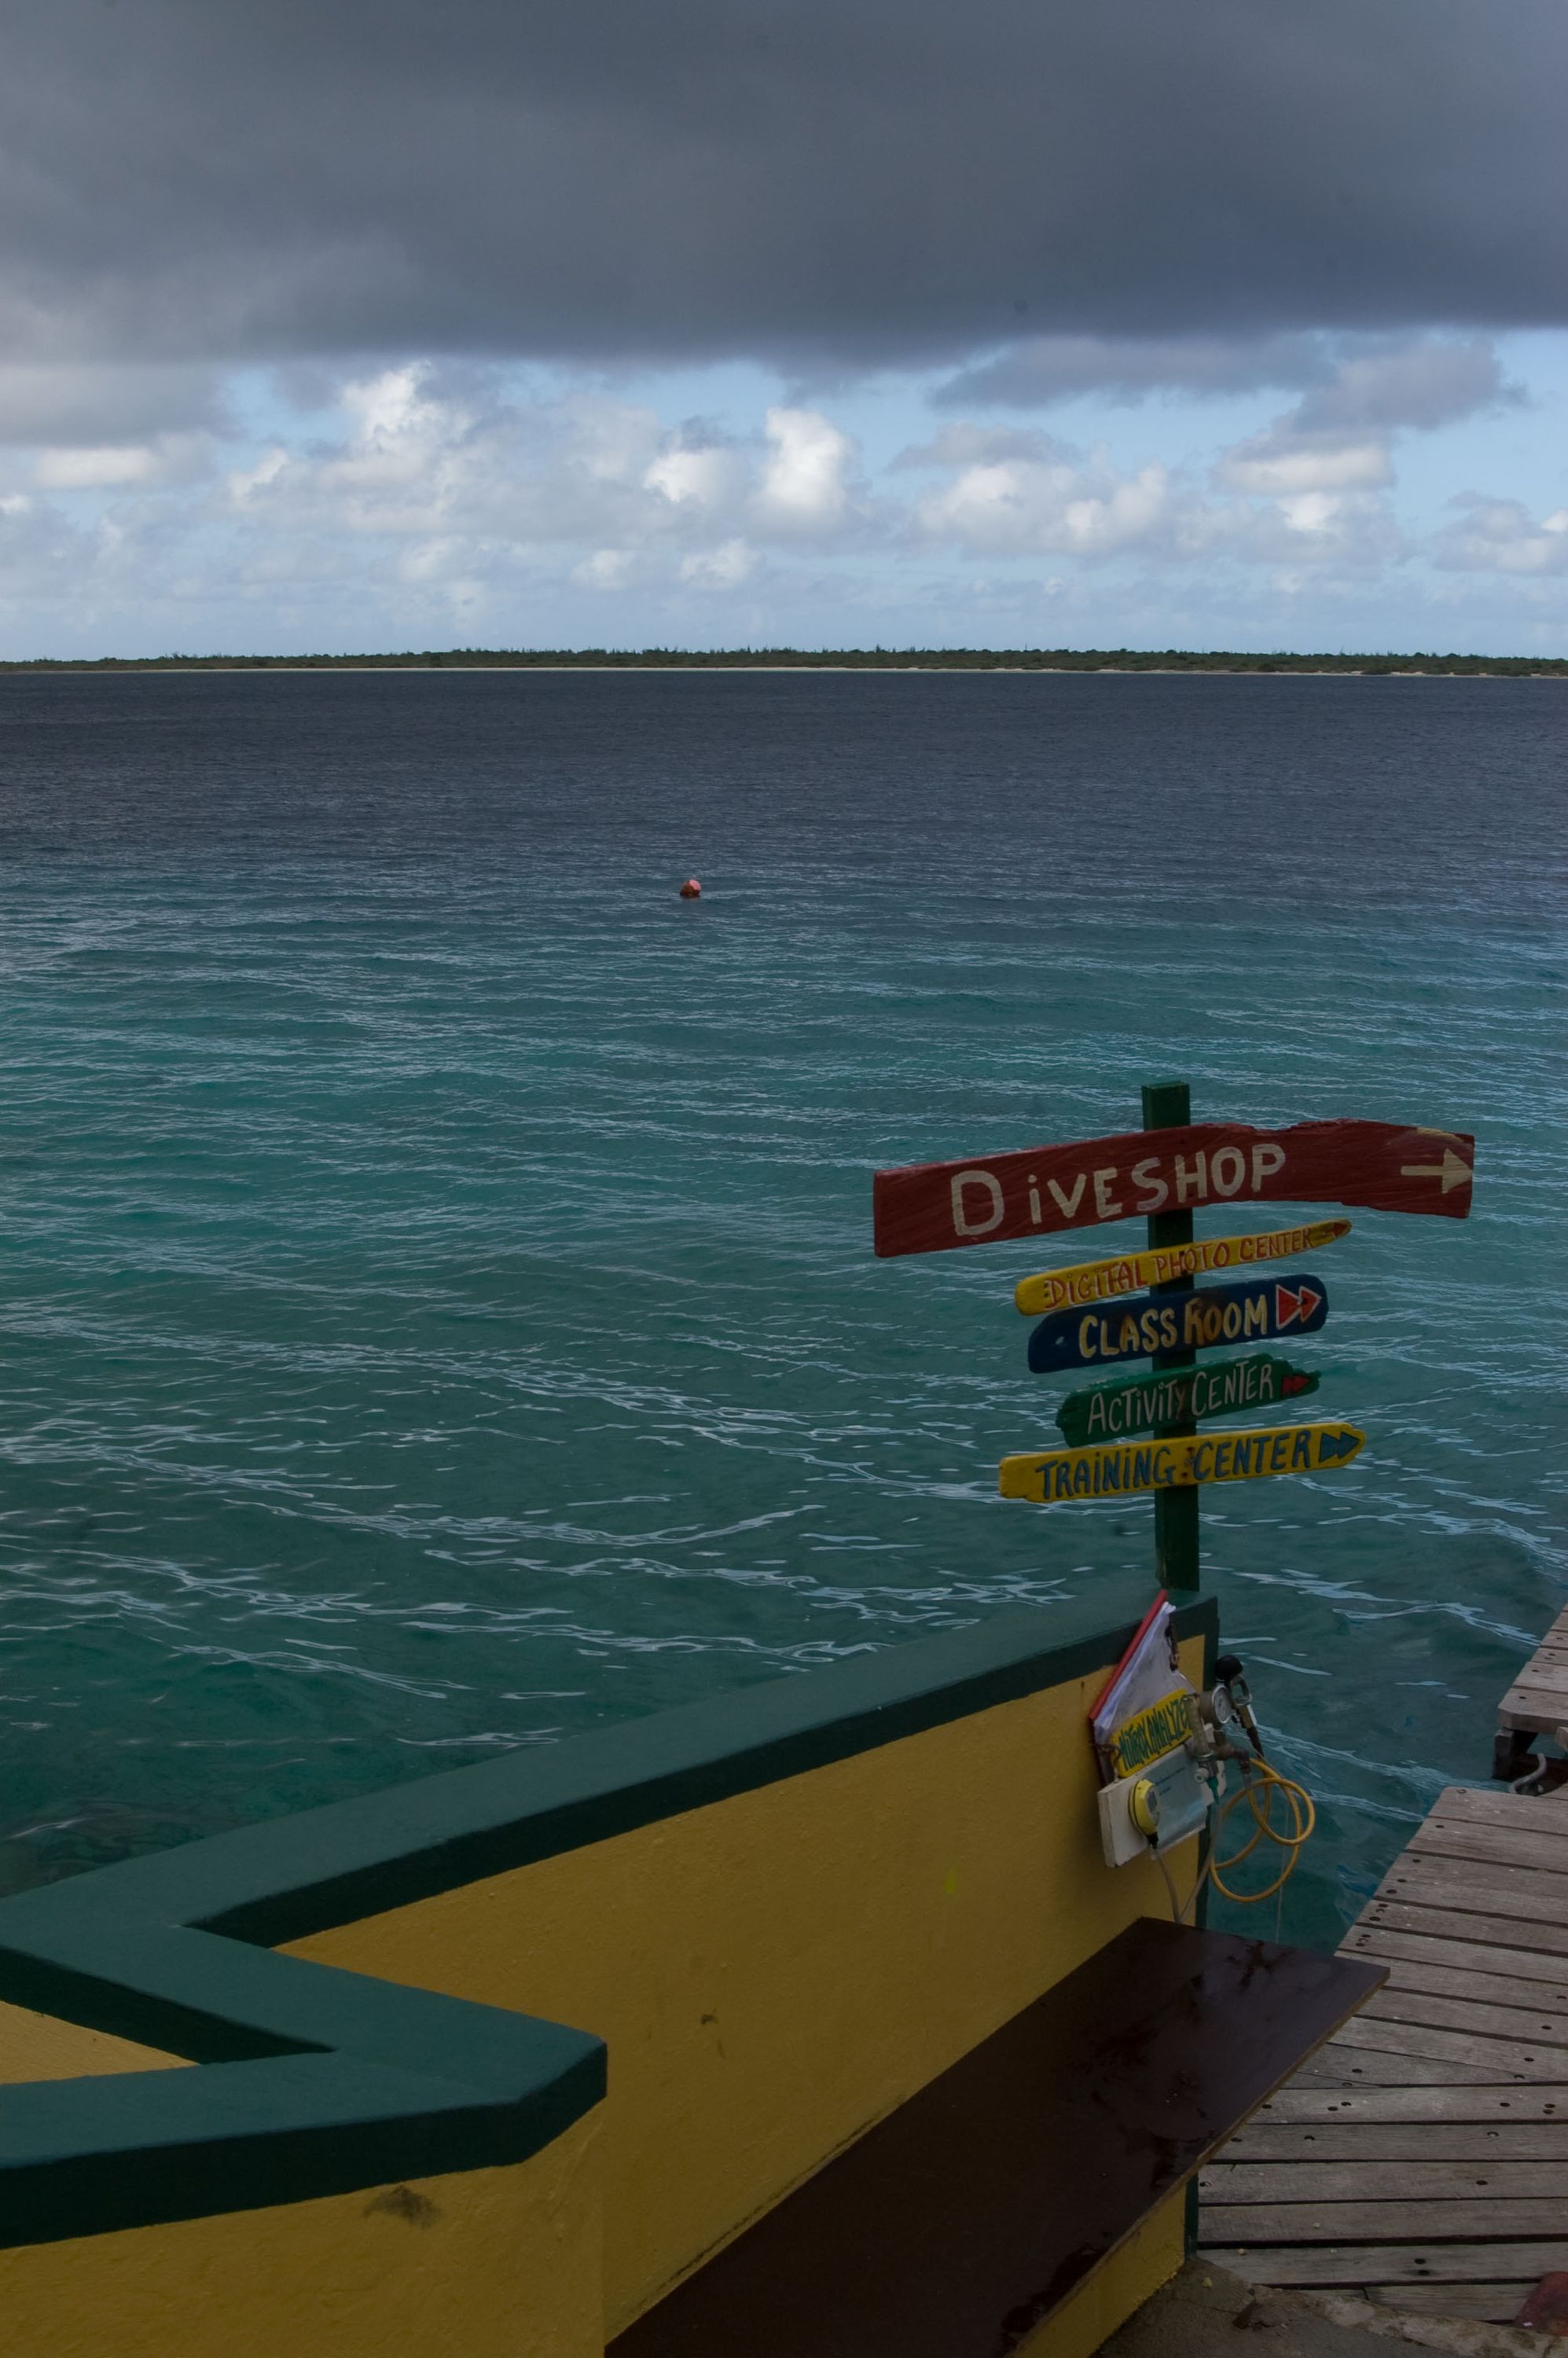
(961, 2223)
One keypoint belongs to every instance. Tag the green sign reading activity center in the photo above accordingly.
(1138, 1404)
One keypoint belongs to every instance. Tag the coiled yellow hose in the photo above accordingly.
(1259, 1785)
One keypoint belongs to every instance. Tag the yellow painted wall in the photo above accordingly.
(776, 1972)
(1149, 2258)
(481, 2264)
(39, 2046)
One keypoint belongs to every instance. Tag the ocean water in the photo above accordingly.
(437, 1310)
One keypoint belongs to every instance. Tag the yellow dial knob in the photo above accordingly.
(1144, 1807)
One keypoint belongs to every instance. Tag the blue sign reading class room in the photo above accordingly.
(1254, 1311)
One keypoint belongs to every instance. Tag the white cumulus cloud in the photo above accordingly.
(807, 480)
(1282, 465)
(1502, 536)
(1029, 505)
(724, 568)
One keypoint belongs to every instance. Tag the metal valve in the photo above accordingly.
(1229, 1675)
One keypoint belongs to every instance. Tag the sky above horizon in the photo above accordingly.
(1238, 326)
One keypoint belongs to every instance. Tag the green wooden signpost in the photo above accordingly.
(1169, 1106)
(1138, 1403)
(1160, 1172)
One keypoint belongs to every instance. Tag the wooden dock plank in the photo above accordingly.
(1343, 2222)
(1401, 2262)
(1542, 1696)
(1544, 1853)
(1537, 1710)
(1485, 1878)
(1536, 1715)
(1478, 1889)
(1544, 1672)
(1299, 2100)
(1508, 2058)
(1415, 1975)
(1529, 2025)
(1296, 2180)
(1487, 1806)
(1422, 2155)
(1503, 1931)
(1410, 1952)
(1337, 2140)
(1491, 2304)
(1372, 2070)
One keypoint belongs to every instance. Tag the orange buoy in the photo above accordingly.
(691, 890)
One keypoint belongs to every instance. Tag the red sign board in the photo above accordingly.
(934, 1207)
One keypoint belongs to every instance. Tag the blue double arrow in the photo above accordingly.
(1333, 1446)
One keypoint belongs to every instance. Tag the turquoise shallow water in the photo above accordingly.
(439, 1310)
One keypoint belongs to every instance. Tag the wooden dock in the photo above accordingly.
(1420, 2157)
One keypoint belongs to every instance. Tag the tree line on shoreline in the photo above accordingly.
(1091, 659)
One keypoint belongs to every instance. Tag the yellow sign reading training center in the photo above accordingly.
(1109, 1472)
(1102, 1280)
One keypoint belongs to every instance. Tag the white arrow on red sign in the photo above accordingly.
(1450, 1171)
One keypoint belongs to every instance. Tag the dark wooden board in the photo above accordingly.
(1255, 1309)
(954, 2228)
(989, 1198)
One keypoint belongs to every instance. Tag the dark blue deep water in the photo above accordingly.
(439, 1311)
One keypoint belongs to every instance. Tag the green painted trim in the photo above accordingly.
(334, 1865)
(313, 2080)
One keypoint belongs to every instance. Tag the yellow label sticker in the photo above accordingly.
(1151, 1734)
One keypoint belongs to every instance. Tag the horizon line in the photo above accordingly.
(1416, 663)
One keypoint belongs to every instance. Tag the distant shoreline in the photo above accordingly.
(1169, 663)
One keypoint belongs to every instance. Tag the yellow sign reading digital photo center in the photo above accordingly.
(1063, 1476)
(1102, 1280)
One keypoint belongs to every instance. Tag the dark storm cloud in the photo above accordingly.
(816, 182)
(95, 405)
(1039, 370)
(1347, 381)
